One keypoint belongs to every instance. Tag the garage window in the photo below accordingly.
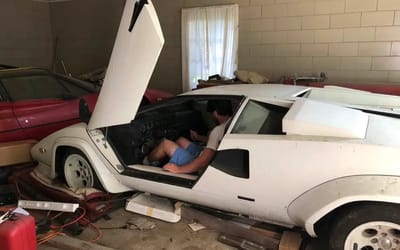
(209, 43)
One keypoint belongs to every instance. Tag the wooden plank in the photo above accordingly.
(290, 241)
(228, 227)
(12, 153)
(69, 243)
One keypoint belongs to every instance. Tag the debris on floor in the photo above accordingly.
(242, 235)
(64, 242)
(140, 223)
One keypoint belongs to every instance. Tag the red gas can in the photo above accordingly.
(18, 233)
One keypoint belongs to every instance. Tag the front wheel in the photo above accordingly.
(367, 227)
(78, 172)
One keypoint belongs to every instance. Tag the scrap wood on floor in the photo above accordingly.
(245, 236)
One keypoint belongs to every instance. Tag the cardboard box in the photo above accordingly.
(17, 152)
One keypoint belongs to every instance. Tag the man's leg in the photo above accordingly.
(183, 142)
(164, 149)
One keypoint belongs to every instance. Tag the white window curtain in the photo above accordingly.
(209, 43)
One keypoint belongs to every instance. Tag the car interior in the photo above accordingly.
(168, 119)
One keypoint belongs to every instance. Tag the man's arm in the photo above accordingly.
(196, 137)
(200, 162)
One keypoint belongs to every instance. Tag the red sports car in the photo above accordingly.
(36, 102)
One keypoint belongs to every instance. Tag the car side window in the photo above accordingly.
(260, 118)
(74, 89)
(33, 87)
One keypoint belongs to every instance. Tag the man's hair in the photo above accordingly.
(223, 107)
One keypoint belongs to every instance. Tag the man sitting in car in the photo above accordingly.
(188, 157)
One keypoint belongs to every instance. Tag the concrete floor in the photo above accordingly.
(166, 236)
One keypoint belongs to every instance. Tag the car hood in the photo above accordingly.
(136, 50)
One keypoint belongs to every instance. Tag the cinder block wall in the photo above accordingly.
(351, 40)
(84, 33)
(25, 38)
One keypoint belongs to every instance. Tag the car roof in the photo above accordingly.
(257, 91)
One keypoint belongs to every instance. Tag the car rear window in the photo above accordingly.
(260, 118)
(40, 87)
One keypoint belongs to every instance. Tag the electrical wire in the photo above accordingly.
(57, 229)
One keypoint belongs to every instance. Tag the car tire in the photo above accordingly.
(367, 227)
(78, 172)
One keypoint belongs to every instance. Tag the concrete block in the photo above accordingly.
(395, 49)
(343, 49)
(343, 75)
(245, 25)
(374, 49)
(266, 24)
(356, 63)
(262, 50)
(388, 5)
(301, 9)
(287, 23)
(279, 63)
(298, 64)
(329, 36)
(373, 76)
(275, 10)
(261, 2)
(329, 7)
(244, 51)
(327, 63)
(302, 36)
(316, 22)
(386, 63)
(247, 38)
(387, 33)
(346, 20)
(380, 18)
(287, 1)
(249, 12)
(314, 50)
(274, 37)
(397, 18)
(394, 77)
(359, 34)
(360, 5)
(361, 76)
(287, 50)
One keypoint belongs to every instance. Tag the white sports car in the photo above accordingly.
(285, 158)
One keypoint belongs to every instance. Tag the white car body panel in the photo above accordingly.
(355, 97)
(308, 117)
(76, 136)
(131, 65)
(256, 91)
(319, 201)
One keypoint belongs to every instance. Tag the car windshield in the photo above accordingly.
(41, 87)
(260, 118)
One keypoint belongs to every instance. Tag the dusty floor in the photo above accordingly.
(164, 236)
(168, 236)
